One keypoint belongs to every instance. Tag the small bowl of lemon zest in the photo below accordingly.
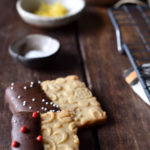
(50, 13)
(48, 10)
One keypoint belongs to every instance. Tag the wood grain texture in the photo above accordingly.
(89, 51)
(128, 116)
(101, 2)
(68, 62)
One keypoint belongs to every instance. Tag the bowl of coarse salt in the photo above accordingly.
(35, 50)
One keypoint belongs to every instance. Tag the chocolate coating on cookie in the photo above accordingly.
(26, 140)
(28, 97)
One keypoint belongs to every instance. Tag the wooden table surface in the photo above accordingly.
(89, 51)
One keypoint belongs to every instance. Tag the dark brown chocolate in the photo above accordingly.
(28, 97)
(26, 140)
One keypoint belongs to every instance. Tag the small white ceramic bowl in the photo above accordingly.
(35, 50)
(26, 7)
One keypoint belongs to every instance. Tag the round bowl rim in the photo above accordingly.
(20, 57)
(28, 14)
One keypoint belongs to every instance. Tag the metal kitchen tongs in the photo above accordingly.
(132, 18)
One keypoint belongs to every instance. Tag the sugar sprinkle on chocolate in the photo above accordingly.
(43, 100)
(25, 87)
(19, 97)
(33, 99)
(39, 82)
(30, 107)
(24, 103)
(12, 84)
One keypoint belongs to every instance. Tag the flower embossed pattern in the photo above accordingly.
(60, 132)
(70, 93)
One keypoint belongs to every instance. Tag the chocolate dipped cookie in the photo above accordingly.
(26, 131)
(28, 97)
(47, 131)
(67, 93)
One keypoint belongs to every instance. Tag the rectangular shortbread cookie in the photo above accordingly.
(59, 131)
(71, 94)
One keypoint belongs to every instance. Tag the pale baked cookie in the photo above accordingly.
(59, 132)
(71, 94)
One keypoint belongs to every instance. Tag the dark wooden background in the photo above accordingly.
(89, 51)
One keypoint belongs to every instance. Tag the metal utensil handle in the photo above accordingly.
(121, 2)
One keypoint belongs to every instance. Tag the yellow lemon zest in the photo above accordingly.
(48, 10)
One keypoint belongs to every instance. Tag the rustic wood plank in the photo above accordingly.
(101, 2)
(68, 62)
(128, 116)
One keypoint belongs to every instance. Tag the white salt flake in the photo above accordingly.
(37, 54)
